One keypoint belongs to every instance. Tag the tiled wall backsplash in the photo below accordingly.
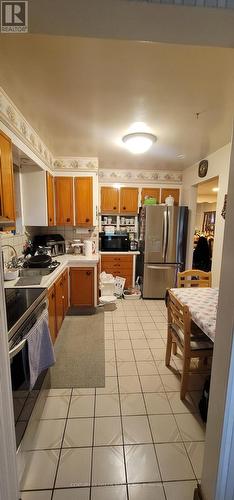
(68, 232)
(17, 241)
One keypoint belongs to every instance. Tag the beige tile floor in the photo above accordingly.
(131, 440)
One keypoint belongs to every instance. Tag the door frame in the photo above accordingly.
(217, 477)
(8, 468)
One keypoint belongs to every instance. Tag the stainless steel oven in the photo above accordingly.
(29, 304)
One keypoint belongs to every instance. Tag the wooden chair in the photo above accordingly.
(185, 335)
(193, 278)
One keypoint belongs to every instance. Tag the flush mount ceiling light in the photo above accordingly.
(216, 189)
(139, 142)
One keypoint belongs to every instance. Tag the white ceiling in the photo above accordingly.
(81, 95)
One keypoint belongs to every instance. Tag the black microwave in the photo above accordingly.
(114, 243)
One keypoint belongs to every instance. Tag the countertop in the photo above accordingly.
(66, 260)
(120, 253)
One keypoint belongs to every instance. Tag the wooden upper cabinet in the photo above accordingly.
(64, 201)
(7, 197)
(109, 200)
(165, 192)
(84, 201)
(50, 199)
(128, 200)
(150, 192)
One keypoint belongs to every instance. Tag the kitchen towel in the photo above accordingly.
(40, 348)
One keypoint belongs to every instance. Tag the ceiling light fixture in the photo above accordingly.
(215, 190)
(139, 142)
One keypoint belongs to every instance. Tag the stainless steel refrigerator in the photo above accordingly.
(162, 245)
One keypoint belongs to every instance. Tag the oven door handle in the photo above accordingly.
(17, 348)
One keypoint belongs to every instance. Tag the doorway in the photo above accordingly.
(205, 224)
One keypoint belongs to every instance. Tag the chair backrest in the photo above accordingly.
(179, 316)
(193, 278)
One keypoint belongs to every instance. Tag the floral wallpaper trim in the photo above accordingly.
(14, 119)
(74, 163)
(159, 176)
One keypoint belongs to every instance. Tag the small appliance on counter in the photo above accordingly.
(55, 242)
(133, 245)
(89, 248)
(114, 242)
(75, 247)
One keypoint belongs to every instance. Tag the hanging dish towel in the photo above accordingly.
(40, 348)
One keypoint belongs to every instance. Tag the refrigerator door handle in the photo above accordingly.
(165, 234)
(168, 232)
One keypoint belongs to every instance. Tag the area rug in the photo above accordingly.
(80, 353)
(81, 311)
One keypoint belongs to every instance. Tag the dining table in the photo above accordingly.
(202, 304)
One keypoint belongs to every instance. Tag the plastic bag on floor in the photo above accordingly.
(119, 286)
(110, 285)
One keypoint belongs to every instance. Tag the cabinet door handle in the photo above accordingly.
(53, 295)
(114, 208)
(124, 208)
(50, 219)
(86, 220)
(68, 219)
(88, 273)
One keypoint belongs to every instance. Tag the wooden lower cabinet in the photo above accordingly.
(58, 304)
(118, 265)
(65, 291)
(52, 312)
(82, 286)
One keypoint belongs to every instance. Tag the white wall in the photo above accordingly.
(217, 478)
(219, 165)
